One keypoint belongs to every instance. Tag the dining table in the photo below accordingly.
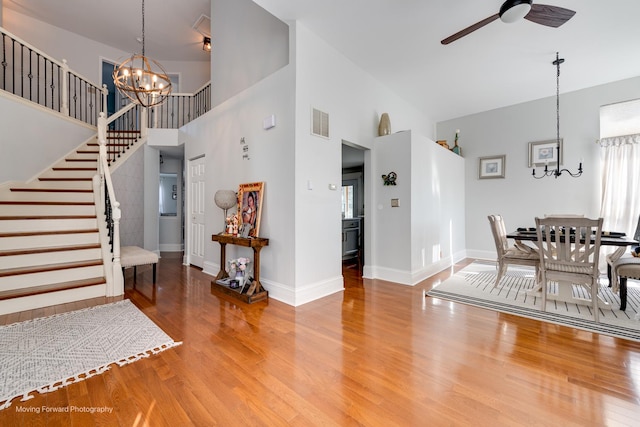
(565, 293)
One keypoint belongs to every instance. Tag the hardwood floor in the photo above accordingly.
(378, 354)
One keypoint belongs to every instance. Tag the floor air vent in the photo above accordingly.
(320, 123)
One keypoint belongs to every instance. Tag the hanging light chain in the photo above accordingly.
(557, 62)
(143, 30)
(557, 171)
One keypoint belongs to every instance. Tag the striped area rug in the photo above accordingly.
(474, 286)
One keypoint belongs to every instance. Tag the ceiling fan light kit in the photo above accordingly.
(514, 10)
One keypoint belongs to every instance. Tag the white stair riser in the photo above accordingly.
(81, 185)
(39, 210)
(78, 164)
(47, 258)
(50, 277)
(53, 298)
(26, 225)
(48, 196)
(87, 160)
(68, 174)
(48, 240)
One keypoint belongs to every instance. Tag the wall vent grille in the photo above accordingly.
(320, 123)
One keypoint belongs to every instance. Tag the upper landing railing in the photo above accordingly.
(31, 74)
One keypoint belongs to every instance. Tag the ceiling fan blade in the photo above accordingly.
(470, 29)
(551, 16)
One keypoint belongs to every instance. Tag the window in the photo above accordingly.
(348, 195)
(620, 158)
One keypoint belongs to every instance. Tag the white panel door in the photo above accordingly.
(196, 211)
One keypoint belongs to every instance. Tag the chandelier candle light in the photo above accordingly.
(141, 79)
(557, 171)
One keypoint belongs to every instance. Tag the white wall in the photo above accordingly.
(217, 135)
(425, 233)
(128, 184)
(170, 233)
(252, 42)
(84, 55)
(354, 100)
(28, 150)
(151, 168)
(519, 197)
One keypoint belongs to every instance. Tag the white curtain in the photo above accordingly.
(620, 158)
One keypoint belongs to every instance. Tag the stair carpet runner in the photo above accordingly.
(49, 237)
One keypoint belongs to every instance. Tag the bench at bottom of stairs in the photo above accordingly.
(133, 256)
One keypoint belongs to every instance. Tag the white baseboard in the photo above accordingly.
(211, 268)
(303, 295)
(411, 278)
(170, 247)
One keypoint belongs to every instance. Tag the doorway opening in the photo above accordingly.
(352, 211)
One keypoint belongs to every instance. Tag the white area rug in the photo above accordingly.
(473, 285)
(48, 353)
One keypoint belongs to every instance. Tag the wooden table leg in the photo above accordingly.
(256, 268)
(223, 261)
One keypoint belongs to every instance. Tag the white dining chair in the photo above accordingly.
(568, 256)
(519, 254)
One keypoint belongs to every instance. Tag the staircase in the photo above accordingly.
(50, 244)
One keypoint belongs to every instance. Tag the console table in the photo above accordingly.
(258, 293)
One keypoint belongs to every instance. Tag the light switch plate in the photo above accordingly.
(269, 122)
(395, 203)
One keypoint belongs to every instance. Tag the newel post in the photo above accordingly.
(102, 148)
(64, 108)
(105, 94)
(144, 120)
(118, 277)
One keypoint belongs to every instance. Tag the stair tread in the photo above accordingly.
(48, 233)
(74, 168)
(54, 287)
(49, 267)
(52, 190)
(65, 179)
(43, 203)
(47, 217)
(42, 250)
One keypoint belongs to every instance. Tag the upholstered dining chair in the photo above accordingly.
(621, 268)
(519, 254)
(611, 258)
(568, 256)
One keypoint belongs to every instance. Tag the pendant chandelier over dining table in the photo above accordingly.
(557, 171)
(141, 79)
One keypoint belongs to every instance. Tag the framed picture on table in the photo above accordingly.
(544, 153)
(250, 206)
(491, 167)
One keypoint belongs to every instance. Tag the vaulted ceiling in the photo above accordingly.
(398, 42)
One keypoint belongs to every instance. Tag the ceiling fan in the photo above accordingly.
(514, 10)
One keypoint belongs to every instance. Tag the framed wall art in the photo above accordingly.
(250, 206)
(543, 153)
(491, 167)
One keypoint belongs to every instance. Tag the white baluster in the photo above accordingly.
(64, 108)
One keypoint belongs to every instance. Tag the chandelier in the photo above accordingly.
(557, 171)
(142, 79)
